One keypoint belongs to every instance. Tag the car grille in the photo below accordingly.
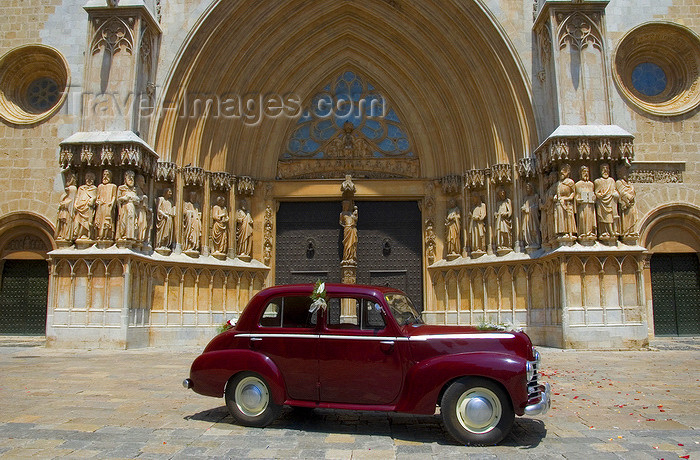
(534, 388)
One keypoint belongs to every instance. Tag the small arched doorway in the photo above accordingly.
(672, 235)
(25, 241)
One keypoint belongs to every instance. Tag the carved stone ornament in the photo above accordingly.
(584, 149)
(113, 36)
(329, 168)
(452, 184)
(476, 179)
(221, 181)
(268, 235)
(501, 173)
(246, 186)
(26, 243)
(87, 155)
(193, 175)
(544, 40)
(579, 31)
(67, 157)
(527, 167)
(165, 171)
(605, 149)
(430, 239)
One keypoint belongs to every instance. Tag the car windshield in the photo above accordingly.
(402, 309)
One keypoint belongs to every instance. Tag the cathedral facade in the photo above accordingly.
(506, 163)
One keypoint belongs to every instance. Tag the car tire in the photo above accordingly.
(249, 400)
(477, 411)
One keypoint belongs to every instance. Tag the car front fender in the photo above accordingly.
(426, 379)
(211, 370)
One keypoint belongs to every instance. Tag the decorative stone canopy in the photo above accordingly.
(115, 148)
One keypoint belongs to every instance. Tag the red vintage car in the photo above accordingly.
(366, 348)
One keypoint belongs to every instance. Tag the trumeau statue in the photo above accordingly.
(127, 200)
(531, 220)
(628, 208)
(244, 232)
(477, 227)
(219, 230)
(85, 198)
(453, 226)
(348, 220)
(192, 225)
(165, 218)
(104, 214)
(64, 224)
(606, 202)
(504, 225)
(144, 218)
(564, 219)
(585, 206)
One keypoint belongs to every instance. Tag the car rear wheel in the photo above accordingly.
(249, 400)
(477, 411)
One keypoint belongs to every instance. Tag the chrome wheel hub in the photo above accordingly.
(478, 410)
(252, 396)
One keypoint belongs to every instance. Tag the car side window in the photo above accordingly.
(289, 311)
(354, 314)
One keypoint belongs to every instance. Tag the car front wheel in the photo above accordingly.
(477, 411)
(249, 400)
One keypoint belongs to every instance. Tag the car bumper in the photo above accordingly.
(545, 402)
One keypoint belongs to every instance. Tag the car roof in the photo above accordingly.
(331, 288)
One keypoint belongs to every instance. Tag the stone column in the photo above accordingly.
(180, 191)
(232, 205)
(206, 216)
(490, 206)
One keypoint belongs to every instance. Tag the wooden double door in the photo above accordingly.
(389, 250)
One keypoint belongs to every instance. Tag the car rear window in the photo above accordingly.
(288, 311)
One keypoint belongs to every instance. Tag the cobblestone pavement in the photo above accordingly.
(126, 404)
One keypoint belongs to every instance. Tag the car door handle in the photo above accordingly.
(254, 341)
(387, 346)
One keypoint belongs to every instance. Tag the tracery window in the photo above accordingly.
(348, 118)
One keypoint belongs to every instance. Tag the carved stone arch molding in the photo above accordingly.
(456, 82)
(25, 236)
(671, 228)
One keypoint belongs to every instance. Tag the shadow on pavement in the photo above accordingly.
(527, 433)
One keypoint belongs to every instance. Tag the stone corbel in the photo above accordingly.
(501, 174)
(193, 176)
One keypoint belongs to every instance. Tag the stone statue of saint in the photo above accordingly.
(104, 214)
(585, 205)
(348, 220)
(477, 227)
(531, 220)
(144, 217)
(127, 200)
(628, 208)
(606, 202)
(165, 217)
(504, 223)
(192, 224)
(453, 226)
(85, 198)
(244, 232)
(219, 229)
(64, 223)
(564, 219)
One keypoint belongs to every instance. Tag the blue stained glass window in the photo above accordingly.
(649, 79)
(348, 98)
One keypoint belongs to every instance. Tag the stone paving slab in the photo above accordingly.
(58, 403)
